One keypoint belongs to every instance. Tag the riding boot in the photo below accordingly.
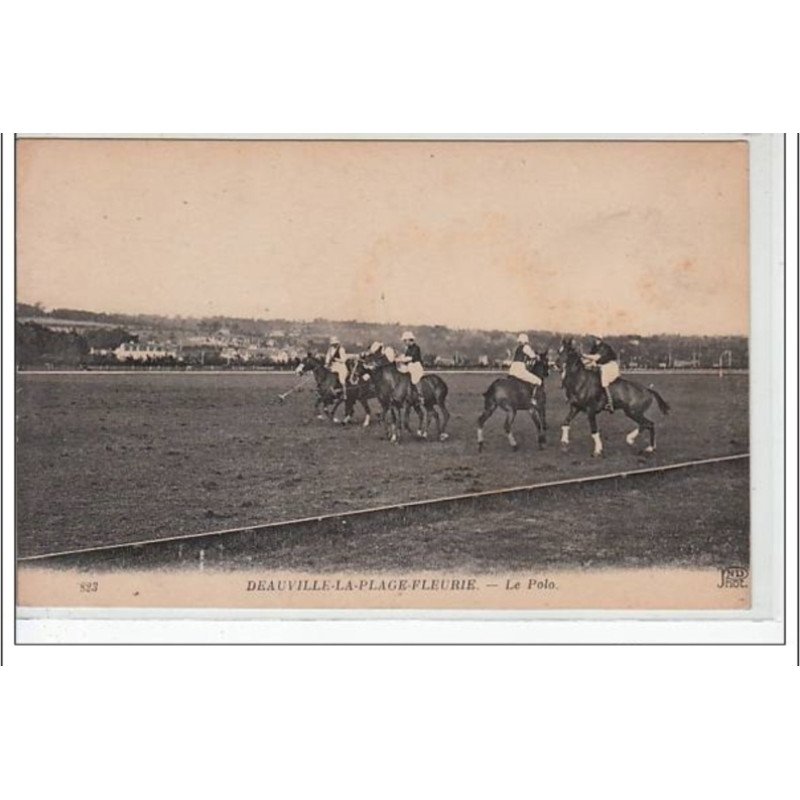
(534, 394)
(609, 400)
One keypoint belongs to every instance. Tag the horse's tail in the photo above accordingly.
(663, 405)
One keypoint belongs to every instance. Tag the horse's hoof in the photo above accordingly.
(515, 447)
(443, 437)
(480, 447)
(336, 421)
(597, 455)
(320, 416)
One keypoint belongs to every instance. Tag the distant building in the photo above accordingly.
(143, 352)
(201, 341)
(231, 354)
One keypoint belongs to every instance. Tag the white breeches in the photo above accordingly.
(517, 370)
(609, 373)
(413, 368)
(341, 371)
(416, 371)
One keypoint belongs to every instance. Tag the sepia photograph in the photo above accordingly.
(431, 374)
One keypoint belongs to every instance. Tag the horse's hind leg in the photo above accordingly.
(642, 423)
(445, 418)
(650, 427)
(633, 435)
(488, 411)
(510, 415)
(431, 413)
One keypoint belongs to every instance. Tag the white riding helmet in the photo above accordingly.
(375, 347)
(408, 336)
(335, 340)
(523, 338)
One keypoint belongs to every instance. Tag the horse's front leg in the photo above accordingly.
(333, 411)
(349, 406)
(573, 410)
(423, 421)
(543, 407)
(386, 417)
(598, 442)
(365, 405)
(541, 438)
(510, 414)
(405, 414)
(396, 423)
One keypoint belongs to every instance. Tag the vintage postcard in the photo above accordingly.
(419, 374)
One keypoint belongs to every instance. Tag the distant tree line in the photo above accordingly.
(37, 345)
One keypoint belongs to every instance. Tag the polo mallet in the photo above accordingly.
(294, 388)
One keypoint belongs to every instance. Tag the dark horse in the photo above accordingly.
(329, 391)
(397, 395)
(584, 393)
(512, 395)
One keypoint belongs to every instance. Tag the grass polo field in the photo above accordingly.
(104, 459)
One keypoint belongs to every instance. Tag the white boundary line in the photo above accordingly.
(393, 507)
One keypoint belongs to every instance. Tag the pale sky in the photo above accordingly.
(610, 237)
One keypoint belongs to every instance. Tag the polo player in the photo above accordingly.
(336, 361)
(602, 355)
(411, 360)
(523, 355)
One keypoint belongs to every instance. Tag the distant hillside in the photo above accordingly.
(448, 345)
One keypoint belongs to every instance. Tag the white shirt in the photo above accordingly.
(341, 358)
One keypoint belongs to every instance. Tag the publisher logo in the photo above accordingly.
(733, 578)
